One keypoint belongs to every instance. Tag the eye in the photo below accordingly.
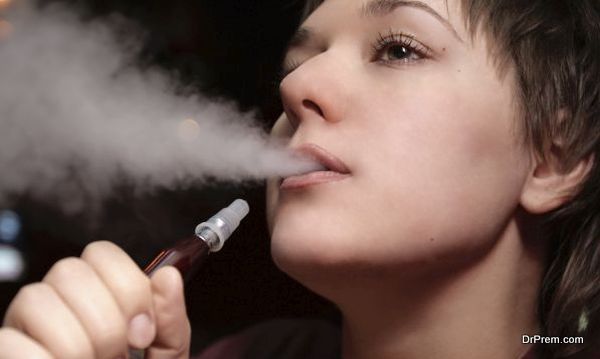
(286, 68)
(399, 52)
(397, 47)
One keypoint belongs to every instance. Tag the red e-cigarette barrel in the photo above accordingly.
(189, 254)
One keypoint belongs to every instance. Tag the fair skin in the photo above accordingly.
(428, 246)
(86, 308)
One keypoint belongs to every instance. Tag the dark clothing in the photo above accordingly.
(280, 339)
(301, 339)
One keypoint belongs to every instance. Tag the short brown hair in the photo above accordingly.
(554, 47)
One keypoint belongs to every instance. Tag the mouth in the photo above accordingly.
(333, 169)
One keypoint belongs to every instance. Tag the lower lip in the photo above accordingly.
(311, 179)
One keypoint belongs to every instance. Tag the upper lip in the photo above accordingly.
(322, 156)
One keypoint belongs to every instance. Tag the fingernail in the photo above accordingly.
(141, 331)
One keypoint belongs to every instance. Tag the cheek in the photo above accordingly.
(447, 165)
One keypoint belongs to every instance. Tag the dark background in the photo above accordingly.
(225, 48)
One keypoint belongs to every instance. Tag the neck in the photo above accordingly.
(480, 311)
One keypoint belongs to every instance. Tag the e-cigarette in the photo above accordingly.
(188, 254)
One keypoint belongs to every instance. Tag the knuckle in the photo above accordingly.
(66, 267)
(19, 312)
(134, 287)
(99, 249)
(12, 317)
(30, 295)
(132, 300)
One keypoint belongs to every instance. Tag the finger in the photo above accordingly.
(92, 303)
(129, 286)
(21, 346)
(173, 327)
(40, 313)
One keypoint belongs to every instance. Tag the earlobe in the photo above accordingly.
(549, 185)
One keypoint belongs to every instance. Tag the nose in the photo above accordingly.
(314, 91)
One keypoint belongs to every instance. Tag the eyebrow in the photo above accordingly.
(379, 8)
(376, 8)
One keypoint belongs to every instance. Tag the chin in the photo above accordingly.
(309, 224)
(327, 258)
(305, 244)
(313, 263)
(306, 241)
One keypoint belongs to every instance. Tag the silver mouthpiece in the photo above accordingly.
(216, 230)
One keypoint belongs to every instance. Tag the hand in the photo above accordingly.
(97, 306)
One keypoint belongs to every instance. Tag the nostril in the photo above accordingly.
(313, 106)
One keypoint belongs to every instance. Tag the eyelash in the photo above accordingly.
(392, 38)
(288, 67)
(383, 42)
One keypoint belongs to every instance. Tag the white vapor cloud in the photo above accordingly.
(73, 107)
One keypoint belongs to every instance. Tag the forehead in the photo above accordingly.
(374, 7)
(321, 15)
(448, 12)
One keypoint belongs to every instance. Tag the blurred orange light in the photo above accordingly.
(4, 3)
(188, 129)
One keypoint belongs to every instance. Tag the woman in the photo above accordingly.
(456, 216)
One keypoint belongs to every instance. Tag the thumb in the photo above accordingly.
(173, 330)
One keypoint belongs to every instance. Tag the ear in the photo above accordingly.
(550, 185)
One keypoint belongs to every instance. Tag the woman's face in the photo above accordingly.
(417, 112)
